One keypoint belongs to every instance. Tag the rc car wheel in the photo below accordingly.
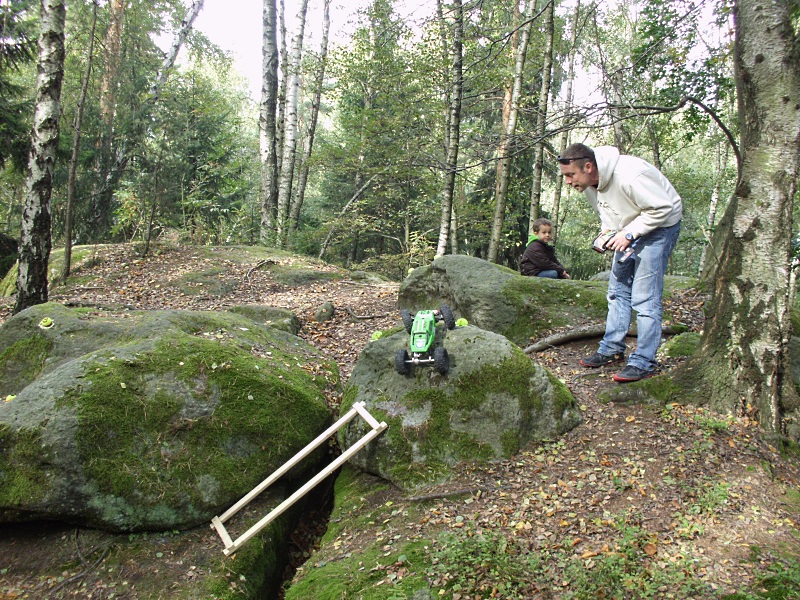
(408, 320)
(447, 315)
(441, 360)
(401, 365)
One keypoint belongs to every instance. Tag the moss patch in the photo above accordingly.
(682, 345)
(21, 483)
(139, 441)
(22, 362)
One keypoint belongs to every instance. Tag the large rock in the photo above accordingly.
(493, 402)
(149, 421)
(501, 300)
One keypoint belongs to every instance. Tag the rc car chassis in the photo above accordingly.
(422, 329)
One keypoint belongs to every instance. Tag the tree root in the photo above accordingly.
(589, 331)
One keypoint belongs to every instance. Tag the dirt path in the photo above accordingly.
(701, 486)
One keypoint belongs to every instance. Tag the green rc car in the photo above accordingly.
(422, 327)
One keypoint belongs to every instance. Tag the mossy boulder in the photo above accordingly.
(149, 420)
(498, 299)
(492, 402)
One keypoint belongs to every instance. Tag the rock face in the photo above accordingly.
(501, 300)
(492, 402)
(149, 421)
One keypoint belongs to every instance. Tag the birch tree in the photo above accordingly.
(541, 113)
(453, 127)
(290, 129)
(267, 125)
(319, 81)
(743, 360)
(72, 170)
(35, 240)
(510, 131)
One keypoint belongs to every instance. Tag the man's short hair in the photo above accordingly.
(539, 222)
(580, 152)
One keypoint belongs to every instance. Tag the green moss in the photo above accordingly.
(682, 345)
(211, 281)
(22, 362)
(658, 390)
(359, 505)
(20, 483)
(295, 276)
(132, 446)
(544, 304)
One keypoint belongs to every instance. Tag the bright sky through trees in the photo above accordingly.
(235, 26)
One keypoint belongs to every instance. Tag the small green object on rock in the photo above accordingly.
(376, 335)
(46, 323)
(462, 322)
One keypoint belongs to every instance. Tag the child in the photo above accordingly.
(539, 259)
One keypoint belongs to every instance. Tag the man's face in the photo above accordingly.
(580, 177)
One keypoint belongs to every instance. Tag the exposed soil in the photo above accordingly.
(701, 485)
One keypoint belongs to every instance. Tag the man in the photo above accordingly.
(639, 204)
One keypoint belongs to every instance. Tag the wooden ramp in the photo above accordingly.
(218, 522)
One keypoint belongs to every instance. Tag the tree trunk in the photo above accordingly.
(290, 131)
(172, 55)
(76, 145)
(267, 126)
(454, 127)
(500, 200)
(564, 141)
(541, 115)
(101, 199)
(282, 86)
(743, 358)
(505, 114)
(297, 202)
(35, 241)
(722, 160)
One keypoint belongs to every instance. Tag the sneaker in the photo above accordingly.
(600, 360)
(631, 373)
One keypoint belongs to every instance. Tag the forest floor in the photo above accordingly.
(695, 491)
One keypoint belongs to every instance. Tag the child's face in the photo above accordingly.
(544, 233)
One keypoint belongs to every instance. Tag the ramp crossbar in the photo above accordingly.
(217, 522)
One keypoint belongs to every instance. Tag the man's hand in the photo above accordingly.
(565, 275)
(618, 242)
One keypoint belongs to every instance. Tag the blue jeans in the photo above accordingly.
(551, 274)
(638, 284)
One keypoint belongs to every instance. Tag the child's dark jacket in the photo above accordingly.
(540, 257)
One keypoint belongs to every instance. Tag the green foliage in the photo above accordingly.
(777, 580)
(18, 31)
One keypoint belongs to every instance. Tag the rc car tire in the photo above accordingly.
(408, 320)
(447, 315)
(400, 362)
(441, 360)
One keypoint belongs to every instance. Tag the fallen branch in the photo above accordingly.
(590, 331)
(449, 494)
(258, 266)
(363, 317)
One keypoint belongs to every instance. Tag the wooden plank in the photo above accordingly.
(281, 508)
(323, 437)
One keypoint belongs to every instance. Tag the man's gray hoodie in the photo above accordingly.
(632, 195)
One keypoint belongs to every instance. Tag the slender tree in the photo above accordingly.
(267, 125)
(564, 138)
(510, 132)
(290, 129)
(454, 127)
(319, 81)
(35, 240)
(72, 169)
(541, 113)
